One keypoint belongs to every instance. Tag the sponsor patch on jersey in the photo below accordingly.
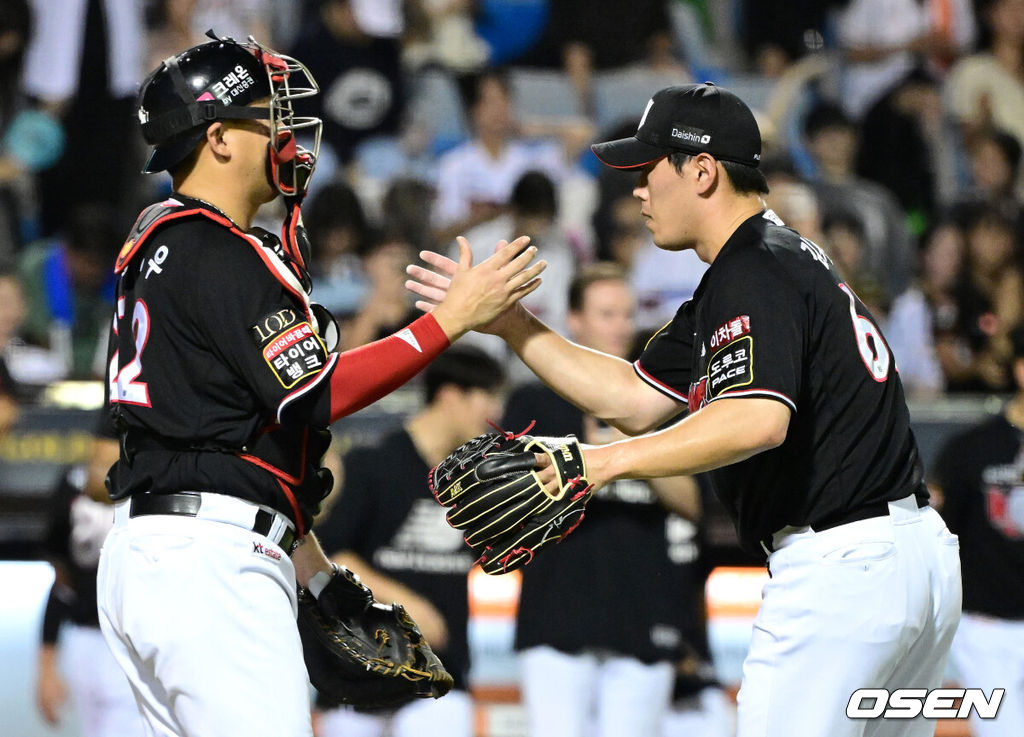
(730, 330)
(731, 367)
(292, 349)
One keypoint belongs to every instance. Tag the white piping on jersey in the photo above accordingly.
(326, 371)
(663, 388)
(756, 392)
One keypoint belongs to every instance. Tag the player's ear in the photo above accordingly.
(706, 172)
(216, 140)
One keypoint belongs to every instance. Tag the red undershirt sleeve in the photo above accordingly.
(363, 375)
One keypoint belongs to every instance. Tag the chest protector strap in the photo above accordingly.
(163, 213)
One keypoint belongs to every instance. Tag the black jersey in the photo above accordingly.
(387, 516)
(981, 475)
(772, 318)
(215, 366)
(632, 561)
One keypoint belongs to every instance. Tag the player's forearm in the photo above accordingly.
(599, 384)
(722, 433)
(366, 374)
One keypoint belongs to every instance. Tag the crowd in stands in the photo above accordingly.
(893, 133)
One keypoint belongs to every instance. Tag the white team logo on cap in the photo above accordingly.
(646, 110)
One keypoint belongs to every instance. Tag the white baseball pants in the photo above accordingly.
(200, 615)
(591, 695)
(451, 716)
(99, 691)
(869, 604)
(988, 653)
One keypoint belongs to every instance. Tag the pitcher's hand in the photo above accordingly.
(464, 297)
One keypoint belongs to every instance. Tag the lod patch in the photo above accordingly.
(731, 367)
(292, 349)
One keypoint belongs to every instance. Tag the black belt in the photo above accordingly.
(874, 509)
(187, 503)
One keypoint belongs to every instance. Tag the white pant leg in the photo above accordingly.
(632, 697)
(558, 692)
(203, 624)
(345, 721)
(451, 716)
(843, 609)
(989, 653)
(99, 689)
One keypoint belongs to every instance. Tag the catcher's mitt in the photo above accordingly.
(362, 653)
(496, 496)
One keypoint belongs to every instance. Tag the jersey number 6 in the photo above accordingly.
(123, 385)
(873, 350)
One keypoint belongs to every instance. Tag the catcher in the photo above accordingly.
(222, 380)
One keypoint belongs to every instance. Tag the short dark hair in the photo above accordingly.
(471, 85)
(336, 205)
(744, 179)
(826, 115)
(591, 274)
(465, 366)
(534, 194)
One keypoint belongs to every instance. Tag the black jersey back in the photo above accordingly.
(772, 318)
(208, 348)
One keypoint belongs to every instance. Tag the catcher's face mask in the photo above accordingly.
(291, 161)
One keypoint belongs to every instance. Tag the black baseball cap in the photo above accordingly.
(692, 118)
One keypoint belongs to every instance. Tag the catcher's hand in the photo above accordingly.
(495, 494)
(363, 653)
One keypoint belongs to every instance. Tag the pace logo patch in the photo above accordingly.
(292, 349)
(731, 367)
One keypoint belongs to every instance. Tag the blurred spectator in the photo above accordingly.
(978, 485)
(339, 234)
(986, 88)
(612, 674)
(586, 36)
(903, 148)
(832, 142)
(12, 314)
(445, 36)
(354, 53)
(994, 159)
(778, 32)
(407, 208)
(73, 660)
(989, 298)
(387, 306)
(846, 244)
(179, 24)
(387, 528)
(924, 315)
(883, 40)
(475, 179)
(70, 288)
(533, 211)
(29, 139)
(84, 66)
(796, 204)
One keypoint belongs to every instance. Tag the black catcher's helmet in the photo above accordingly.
(217, 80)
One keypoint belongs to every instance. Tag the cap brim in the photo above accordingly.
(628, 153)
(168, 154)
